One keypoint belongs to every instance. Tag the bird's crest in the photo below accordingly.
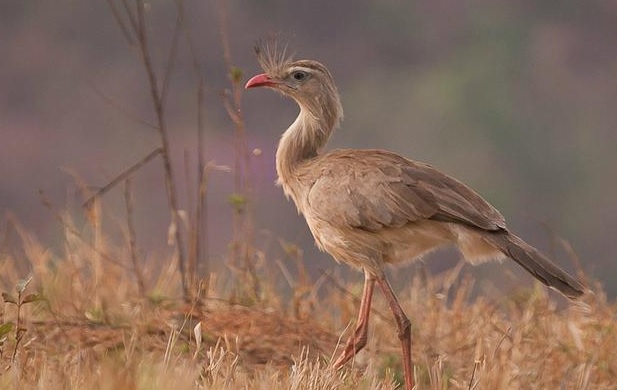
(272, 56)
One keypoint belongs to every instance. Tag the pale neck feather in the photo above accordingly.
(302, 142)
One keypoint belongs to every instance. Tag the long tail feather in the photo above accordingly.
(537, 264)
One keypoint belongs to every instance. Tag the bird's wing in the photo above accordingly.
(372, 189)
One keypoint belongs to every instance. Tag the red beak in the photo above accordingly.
(261, 80)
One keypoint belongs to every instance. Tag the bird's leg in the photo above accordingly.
(404, 329)
(358, 340)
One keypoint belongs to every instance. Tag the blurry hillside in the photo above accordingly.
(516, 98)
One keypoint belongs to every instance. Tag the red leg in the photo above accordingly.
(358, 340)
(404, 329)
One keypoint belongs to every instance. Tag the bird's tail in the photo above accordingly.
(537, 264)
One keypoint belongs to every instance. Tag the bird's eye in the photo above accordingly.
(299, 75)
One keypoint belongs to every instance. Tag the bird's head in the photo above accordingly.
(308, 82)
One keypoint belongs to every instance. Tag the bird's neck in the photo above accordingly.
(303, 141)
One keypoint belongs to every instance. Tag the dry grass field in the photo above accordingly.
(89, 327)
(95, 314)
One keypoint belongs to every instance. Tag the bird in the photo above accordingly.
(370, 208)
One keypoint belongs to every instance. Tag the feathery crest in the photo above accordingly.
(272, 55)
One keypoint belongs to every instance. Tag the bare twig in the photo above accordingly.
(120, 21)
(130, 14)
(191, 258)
(128, 200)
(242, 223)
(171, 58)
(122, 176)
(134, 23)
(201, 223)
(472, 383)
(157, 101)
(197, 261)
(121, 109)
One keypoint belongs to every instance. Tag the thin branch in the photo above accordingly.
(243, 228)
(199, 235)
(120, 108)
(171, 59)
(122, 176)
(130, 15)
(201, 223)
(128, 200)
(162, 127)
(231, 109)
(118, 16)
(472, 383)
(191, 259)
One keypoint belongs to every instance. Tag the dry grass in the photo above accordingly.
(93, 330)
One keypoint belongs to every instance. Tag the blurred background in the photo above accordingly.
(518, 99)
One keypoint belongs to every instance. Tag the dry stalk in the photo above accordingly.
(242, 224)
(74, 232)
(158, 96)
(139, 275)
(132, 21)
(197, 262)
(122, 176)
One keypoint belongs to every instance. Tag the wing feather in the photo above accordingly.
(373, 189)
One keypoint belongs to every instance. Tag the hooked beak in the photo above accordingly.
(261, 80)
